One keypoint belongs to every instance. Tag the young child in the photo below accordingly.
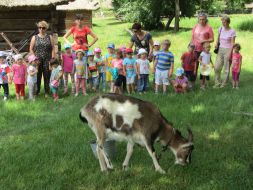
(164, 65)
(129, 69)
(67, 62)
(56, 74)
(108, 63)
(117, 63)
(19, 70)
(189, 64)
(142, 67)
(205, 62)
(93, 71)
(4, 76)
(101, 67)
(236, 65)
(180, 83)
(80, 69)
(32, 71)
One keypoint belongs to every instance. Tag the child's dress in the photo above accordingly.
(236, 66)
(19, 78)
(205, 67)
(118, 75)
(68, 62)
(81, 74)
(32, 81)
(4, 71)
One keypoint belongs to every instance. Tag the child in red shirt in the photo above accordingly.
(236, 65)
(189, 64)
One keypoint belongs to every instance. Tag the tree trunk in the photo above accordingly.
(177, 15)
(170, 19)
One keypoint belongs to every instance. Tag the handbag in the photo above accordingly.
(216, 50)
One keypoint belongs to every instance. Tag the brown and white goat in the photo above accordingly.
(125, 118)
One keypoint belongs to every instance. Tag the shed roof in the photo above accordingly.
(30, 3)
(79, 5)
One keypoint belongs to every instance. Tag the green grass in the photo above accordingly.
(43, 145)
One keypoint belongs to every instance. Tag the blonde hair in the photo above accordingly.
(226, 18)
(43, 24)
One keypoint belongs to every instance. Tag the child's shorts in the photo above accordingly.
(108, 76)
(235, 76)
(190, 75)
(202, 76)
(119, 81)
(161, 77)
(130, 80)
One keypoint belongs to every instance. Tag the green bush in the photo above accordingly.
(246, 25)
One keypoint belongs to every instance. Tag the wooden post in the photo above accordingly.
(54, 30)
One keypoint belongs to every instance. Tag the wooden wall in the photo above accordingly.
(18, 24)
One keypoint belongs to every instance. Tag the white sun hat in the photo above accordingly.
(142, 51)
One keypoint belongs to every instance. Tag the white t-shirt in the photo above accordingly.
(30, 78)
(143, 65)
(206, 57)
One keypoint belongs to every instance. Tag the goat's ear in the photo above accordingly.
(190, 135)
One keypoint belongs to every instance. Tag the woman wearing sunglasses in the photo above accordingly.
(42, 46)
(141, 39)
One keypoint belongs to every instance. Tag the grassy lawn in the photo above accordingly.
(43, 145)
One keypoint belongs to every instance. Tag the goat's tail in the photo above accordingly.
(83, 119)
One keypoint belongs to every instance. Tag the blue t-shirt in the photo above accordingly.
(130, 67)
(164, 60)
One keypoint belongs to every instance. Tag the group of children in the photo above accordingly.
(119, 69)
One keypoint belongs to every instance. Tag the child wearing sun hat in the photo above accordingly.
(143, 69)
(180, 83)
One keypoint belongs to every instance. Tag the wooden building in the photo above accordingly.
(249, 6)
(18, 18)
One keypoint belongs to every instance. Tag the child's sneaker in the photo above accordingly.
(216, 86)
(237, 88)
(5, 98)
(76, 94)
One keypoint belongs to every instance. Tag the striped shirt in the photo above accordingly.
(164, 60)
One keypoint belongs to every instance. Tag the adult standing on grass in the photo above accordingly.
(80, 34)
(224, 44)
(42, 46)
(141, 39)
(201, 33)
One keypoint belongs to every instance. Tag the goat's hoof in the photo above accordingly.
(161, 171)
(125, 167)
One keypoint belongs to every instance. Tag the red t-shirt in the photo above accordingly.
(80, 37)
(189, 61)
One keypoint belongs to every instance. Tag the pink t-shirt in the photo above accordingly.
(68, 62)
(236, 62)
(181, 81)
(199, 34)
(19, 73)
(118, 63)
(226, 37)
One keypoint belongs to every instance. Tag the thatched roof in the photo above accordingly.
(249, 6)
(79, 5)
(30, 3)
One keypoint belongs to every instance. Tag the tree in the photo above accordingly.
(151, 13)
(177, 15)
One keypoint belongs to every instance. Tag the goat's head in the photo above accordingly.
(182, 148)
